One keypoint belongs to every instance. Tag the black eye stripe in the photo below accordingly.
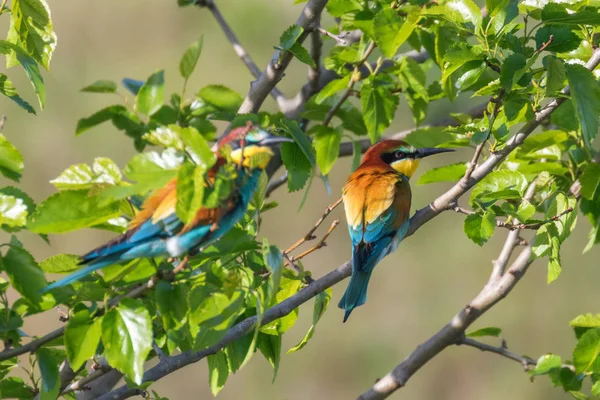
(389, 158)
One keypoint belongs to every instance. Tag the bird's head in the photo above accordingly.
(251, 143)
(400, 155)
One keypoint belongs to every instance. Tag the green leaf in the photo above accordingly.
(499, 185)
(14, 388)
(213, 310)
(302, 55)
(270, 347)
(479, 228)
(582, 323)
(190, 192)
(101, 86)
(470, 74)
(9, 90)
(82, 336)
(105, 114)
(327, 144)
(290, 36)
(457, 56)
(525, 211)
(11, 160)
(301, 139)
(221, 97)
(192, 139)
(585, 93)
(564, 39)
(81, 176)
(218, 371)
(297, 166)
(13, 211)
(70, 210)
(60, 263)
(517, 109)
(391, 31)
(489, 331)
(190, 59)
(149, 166)
(31, 29)
(447, 173)
(555, 80)
(25, 275)
(586, 351)
(546, 363)
(127, 338)
(30, 66)
(273, 259)
(511, 69)
(152, 94)
(429, 137)
(171, 300)
(332, 88)
(337, 8)
(49, 372)
(468, 10)
(557, 14)
(590, 180)
(321, 303)
(356, 153)
(378, 107)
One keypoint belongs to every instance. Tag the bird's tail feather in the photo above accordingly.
(80, 273)
(356, 292)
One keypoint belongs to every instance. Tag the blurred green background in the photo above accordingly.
(414, 291)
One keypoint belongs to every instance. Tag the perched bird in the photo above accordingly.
(157, 231)
(377, 200)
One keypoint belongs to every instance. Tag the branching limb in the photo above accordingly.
(452, 332)
(496, 288)
(264, 84)
(235, 43)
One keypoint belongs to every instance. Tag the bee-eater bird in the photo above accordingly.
(377, 200)
(157, 231)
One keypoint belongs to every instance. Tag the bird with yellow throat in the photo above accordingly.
(377, 199)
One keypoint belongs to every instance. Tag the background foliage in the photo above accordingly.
(475, 54)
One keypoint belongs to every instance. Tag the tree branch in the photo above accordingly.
(451, 333)
(496, 288)
(264, 84)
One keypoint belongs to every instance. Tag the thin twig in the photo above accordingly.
(525, 361)
(353, 79)
(339, 40)
(479, 149)
(310, 234)
(320, 244)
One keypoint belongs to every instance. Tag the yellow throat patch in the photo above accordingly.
(254, 156)
(406, 167)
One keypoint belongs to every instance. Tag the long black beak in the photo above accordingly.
(426, 152)
(272, 139)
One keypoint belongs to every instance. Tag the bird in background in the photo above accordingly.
(377, 199)
(157, 231)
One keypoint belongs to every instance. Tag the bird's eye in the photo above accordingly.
(398, 154)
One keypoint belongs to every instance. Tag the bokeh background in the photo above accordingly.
(414, 291)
